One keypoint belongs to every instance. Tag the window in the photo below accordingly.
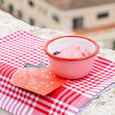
(2, 1)
(19, 14)
(102, 15)
(113, 45)
(10, 9)
(77, 23)
(31, 21)
(55, 18)
(31, 3)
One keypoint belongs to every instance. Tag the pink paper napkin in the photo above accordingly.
(21, 47)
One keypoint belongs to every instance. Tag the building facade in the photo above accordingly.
(79, 20)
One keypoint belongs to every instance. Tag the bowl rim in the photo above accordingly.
(71, 59)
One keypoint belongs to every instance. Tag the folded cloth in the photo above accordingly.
(21, 47)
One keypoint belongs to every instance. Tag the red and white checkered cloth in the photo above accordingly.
(21, 47)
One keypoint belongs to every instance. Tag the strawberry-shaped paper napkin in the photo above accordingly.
(38, 80)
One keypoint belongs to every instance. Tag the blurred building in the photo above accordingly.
(91, 18)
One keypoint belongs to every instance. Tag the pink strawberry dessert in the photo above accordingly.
(73, 51)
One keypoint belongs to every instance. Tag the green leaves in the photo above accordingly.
(29, 65)
(41, 65)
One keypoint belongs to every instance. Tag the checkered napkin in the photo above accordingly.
(21, 47)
